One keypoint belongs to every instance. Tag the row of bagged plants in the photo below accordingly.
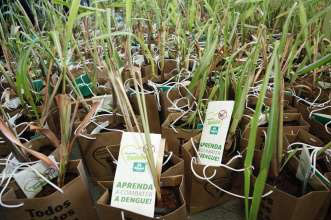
(187, 186)
(174, 107)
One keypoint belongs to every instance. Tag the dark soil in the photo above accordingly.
(170, 201)
(287, 182)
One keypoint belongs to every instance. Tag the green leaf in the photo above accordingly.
(253, 130)
(271, 143)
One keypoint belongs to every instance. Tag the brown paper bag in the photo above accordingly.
(75, 203)
(152, 111)
(176, 140)
(96, 157)
(106, 212)
(201, 195)
(281, 205)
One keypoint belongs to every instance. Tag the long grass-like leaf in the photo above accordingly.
(253, 129)
(271, 144)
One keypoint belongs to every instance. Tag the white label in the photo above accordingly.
(215, 129)
(304, 164)
(133, 188)
(30, 183)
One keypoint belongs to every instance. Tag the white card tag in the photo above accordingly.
(304, 164)
(133, 187)
(30, 183)
(215, 129)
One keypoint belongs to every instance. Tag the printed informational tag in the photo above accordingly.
(304, 164)
(215, 129)
(133, 187)
(30, 183)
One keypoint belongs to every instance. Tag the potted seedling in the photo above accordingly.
(70, 181)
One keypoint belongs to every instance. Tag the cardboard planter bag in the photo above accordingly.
(200, 194)
(75, 203)
(176, 212)
(176, 138)
(281, 204)
(96, 156)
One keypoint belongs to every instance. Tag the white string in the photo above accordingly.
(168, 159)
(311, 104)
(100, 126)
(317, 110)
(27, 125)
(328, 123)
(226, 166)
(208, 179)
(327, 128)
(112, 156)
